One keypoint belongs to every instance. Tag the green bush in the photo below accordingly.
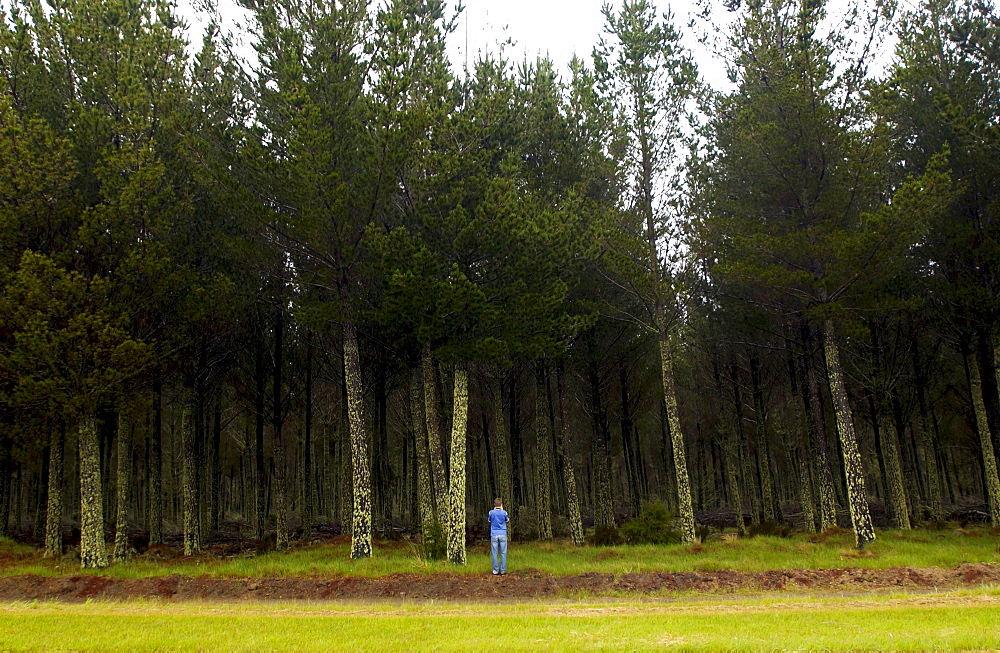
(654, 525)
(606, 535)
(434, 542)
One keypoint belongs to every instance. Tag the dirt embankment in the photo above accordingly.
(515, 585)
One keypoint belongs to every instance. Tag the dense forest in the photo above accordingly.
(342, 283)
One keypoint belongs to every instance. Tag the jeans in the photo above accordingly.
(498, 543)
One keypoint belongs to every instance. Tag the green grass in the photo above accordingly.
(946, 548)
(967, 620)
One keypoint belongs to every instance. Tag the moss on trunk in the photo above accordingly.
(543, 457)
(54, 498)
(456, 485)
(124, 488)
(361, 515)
(189, 491)
(991, 480)
(93, 552)
(569, 475)
(685, 510)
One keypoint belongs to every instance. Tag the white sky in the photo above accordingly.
(557, 28)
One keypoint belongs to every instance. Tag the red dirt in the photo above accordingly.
(515, 585)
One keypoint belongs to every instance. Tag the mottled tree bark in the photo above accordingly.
(826, 491)
(124, 483)
(308, 474)
(604, 513)
(854, 472)
(425, 496)
(769, 502)
(434, 447)
(898, 510)
(54, 509)
(543, 455)
(280, 491)
(216, 509)
(925, 437)
(456, 485)
(192, 530)
(156, 465)
(991, 480)
(569, 475)
(684, 508)
(502, 448)
(361, 532)
(93, 552)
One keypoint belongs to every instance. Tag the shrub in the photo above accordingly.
(606, 535)
(434, 542)
(654, 525)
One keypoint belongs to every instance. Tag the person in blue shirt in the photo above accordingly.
(498, 536)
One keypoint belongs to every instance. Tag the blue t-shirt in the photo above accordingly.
(498, 522)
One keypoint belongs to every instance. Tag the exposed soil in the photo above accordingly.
(515, 585)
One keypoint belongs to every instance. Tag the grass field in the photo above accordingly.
(964, 620)
(918, 548)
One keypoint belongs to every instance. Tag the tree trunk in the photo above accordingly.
(502, 448)
(827, 493)
(361, 528)
(769, 502)
(260, 480)
(604, 511)
(217, 511)
(192, 531)
(569, 475)
(854, 472)
(425, 496)
(543, 455)
(280, 491)
(456, 485)
(308, 473)
(925, 441)
(684, 508)
(895, 489)
(434, 447)
(54, 496)
(124, 480)
(93, 552)
(156, 465)
(991, 480)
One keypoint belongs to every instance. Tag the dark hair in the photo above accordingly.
(497, 503)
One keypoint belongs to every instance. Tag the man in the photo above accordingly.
(498, 536)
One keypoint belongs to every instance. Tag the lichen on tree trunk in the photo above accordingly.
(854, 472)
(434, 446)
(543, 449)
(992, 481)
(898, 509)
(54, 498)
(123, 480)
(425, 497)
(155, 465)
(503, 461)
(569, 475)
(456, 485)
(684, 508)
(93, 552)
(361, 532)
(192, 530)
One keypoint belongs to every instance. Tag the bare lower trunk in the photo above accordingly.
(543, 449)
(54, 508)
(503, 462)
(569, 475)
(893, 472)
(456, 485)
(155, 466)
(361, 537)
(93, 552)
(991, 481)
(192, 530)
(825, 489)
(768, 500)
(425, 497)
(434, 447)
(124, 478)
(684, 508)
(854, 472)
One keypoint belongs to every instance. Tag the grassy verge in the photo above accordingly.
(946, 548)
(967, 620)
